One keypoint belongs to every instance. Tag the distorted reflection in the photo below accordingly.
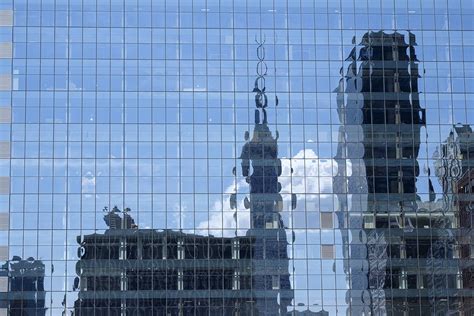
(400, 250)
(231, 200)
(261, 168)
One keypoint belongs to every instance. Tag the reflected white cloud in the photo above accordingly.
(311, 181)
(88, 183)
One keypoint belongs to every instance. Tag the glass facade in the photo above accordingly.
(207, 157)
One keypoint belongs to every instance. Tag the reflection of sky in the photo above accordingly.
(171, 162)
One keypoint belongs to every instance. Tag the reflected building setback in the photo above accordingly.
(24, 281)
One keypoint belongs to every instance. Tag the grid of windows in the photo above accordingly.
(205, 157)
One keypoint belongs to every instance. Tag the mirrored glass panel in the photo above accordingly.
(267, 157)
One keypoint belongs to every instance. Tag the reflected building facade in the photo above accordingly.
(132, 271)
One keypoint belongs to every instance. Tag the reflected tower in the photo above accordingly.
(392, 121)
(261, 168)
(381, 119)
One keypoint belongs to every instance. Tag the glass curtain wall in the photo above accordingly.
(209, 157)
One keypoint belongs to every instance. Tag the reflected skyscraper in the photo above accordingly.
(381, 118)
(392, 120)
(401, 252)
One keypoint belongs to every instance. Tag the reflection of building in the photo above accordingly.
(381, 121)
(270, 281)
(262, 167)
(131, 271)
(392, 119)
(464, 189)
(403, 252)
(26, 295)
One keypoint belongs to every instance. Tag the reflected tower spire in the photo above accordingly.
(261, 168)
